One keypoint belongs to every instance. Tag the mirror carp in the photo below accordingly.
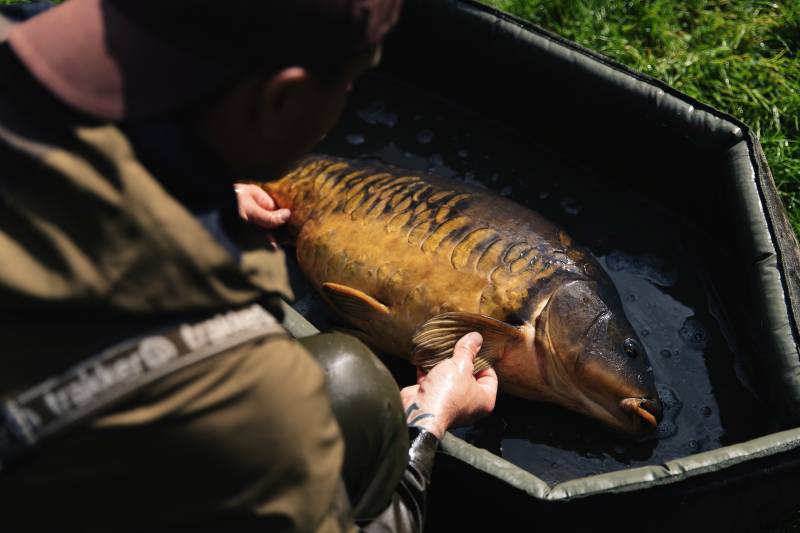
(414, 261)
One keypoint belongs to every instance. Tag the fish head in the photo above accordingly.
(600, 366)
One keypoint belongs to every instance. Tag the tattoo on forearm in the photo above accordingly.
(414, 411)
(420, 417)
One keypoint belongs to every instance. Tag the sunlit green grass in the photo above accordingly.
(740, 56)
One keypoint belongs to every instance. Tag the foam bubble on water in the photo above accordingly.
(670, 402)
(695, 334)
(424, 136)
(665, 429)
(436, 160)
(570, 205)
(376, 113)
(646, 266)
(355, 139)
(671, 406)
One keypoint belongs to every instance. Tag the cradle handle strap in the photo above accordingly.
(109, 377)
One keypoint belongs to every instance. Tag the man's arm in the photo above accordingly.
(449, 395)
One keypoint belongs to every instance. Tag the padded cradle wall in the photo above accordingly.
(644, 134)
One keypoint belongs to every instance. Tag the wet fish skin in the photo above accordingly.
(413, 261)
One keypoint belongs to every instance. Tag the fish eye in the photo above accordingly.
(631, 347)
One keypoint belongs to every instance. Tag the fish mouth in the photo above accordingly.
(646, 411)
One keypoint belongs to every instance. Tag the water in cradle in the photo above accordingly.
(654, 256)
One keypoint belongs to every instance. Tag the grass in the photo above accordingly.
(740, 56)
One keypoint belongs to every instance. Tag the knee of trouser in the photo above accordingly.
(366, 402)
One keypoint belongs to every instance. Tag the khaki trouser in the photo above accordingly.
(233, 440)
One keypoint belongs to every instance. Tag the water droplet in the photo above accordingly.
(695, 334)
(694, 445)
(665, 429)
(706, 411)
(376, 113)
(553, 465)
(506, 191)
(463, 153)
(355, 139)
(645, 332)
(647, 266)
(571, 206)
(631, 297)
(669, 400)
(424, 136)
(666, 353)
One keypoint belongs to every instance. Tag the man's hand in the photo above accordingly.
(449, 395)
(258, 207)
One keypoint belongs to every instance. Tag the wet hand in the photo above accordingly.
(449, 395)
(258, 207)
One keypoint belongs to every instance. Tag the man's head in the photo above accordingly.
(271, 74)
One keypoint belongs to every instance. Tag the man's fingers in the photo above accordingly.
(259, 195)
(465, 351)
(263, 199)
(407, 394)
(269, 219)
(487, 381)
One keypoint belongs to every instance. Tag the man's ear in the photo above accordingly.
(283, 92)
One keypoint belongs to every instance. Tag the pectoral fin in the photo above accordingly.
(435, 339)
(353, 303)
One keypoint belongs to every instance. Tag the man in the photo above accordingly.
(122, 125)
